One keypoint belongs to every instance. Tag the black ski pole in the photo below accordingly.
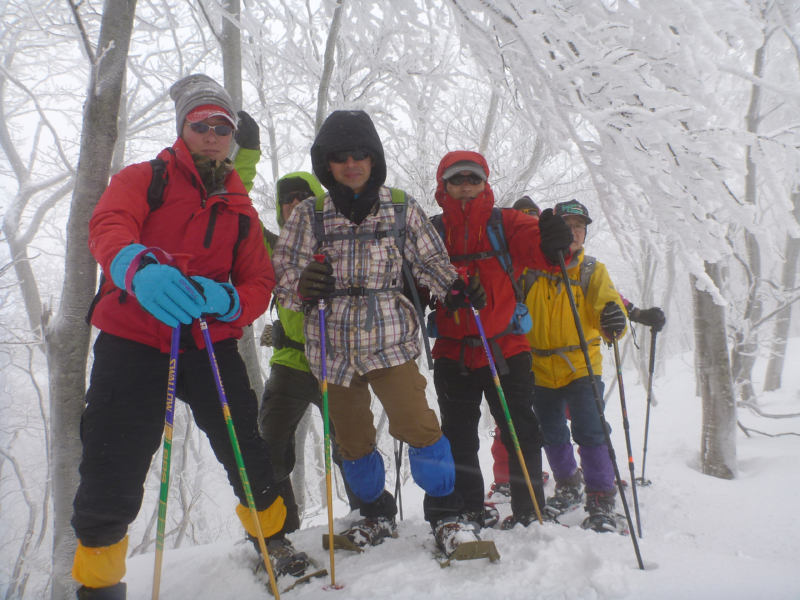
(398, 461)
(627, 428)
(653, 334)
(598, 399)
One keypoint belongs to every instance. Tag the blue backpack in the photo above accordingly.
(521, 321)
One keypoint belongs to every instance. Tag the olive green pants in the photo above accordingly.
(401, 391)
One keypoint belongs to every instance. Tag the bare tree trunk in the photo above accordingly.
(118, 162)
(327, 69)
(68, 334)
(231, 44)
(783, 319)
(743, 356)
(718, 437)
(299, 471)
(488, 126)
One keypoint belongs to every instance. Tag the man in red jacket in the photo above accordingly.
(461, 371)
(199, 209)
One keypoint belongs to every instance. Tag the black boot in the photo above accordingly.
(285, 558)
(114, 592)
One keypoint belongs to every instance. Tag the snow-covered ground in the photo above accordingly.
(703, 537)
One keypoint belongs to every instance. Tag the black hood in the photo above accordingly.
(347, 130)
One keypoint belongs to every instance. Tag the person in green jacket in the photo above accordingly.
(291, 385)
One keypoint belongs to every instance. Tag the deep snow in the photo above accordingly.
(702, 537)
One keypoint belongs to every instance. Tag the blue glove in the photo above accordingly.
(165, 293)
(222, 299)
(121, 262)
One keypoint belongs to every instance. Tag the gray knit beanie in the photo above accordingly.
(197, 90)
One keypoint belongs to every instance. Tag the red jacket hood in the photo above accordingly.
(478, 210)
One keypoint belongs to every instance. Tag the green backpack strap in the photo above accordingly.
(400, 203)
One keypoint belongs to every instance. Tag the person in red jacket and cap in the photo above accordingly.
(203, 213)
(462, 375)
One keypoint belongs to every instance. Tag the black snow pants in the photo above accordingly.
(123, 422)
(459, 399)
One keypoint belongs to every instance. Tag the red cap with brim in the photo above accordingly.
(206, 111)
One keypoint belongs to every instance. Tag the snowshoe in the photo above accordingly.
(365, 532)
(602, 518)
(500, 493)
(490, 516)
(291, 568)
(568, 495)
(526, 518)
(457, 539)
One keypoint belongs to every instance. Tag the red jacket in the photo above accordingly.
(206, 228)
(465, 233)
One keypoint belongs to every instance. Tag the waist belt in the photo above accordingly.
(290, 343)
(562, 352)
(370, 293)
(475, 341)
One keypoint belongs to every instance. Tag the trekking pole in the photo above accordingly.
(598, 399)
(653, 333)
(226, 411)
(165, 458)
(323, 383)
(503, 402)
(626, 426)
(398, 461)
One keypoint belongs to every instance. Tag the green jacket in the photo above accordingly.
(245, 164)
(292, 320)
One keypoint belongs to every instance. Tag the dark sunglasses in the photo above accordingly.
(531, 211)
(341, 157)
(460, 179)
(220, 130)
(292, 196)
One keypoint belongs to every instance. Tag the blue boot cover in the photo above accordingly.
(366, 476)
(433, 469)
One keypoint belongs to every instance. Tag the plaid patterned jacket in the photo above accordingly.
(394, 335)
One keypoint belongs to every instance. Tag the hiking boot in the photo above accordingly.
(488, 517)
(528, 517)
(114, 592)
(454, 531)
(286, 560)
(568, 494)
(600, 506)
(371, 531)
(500, 492)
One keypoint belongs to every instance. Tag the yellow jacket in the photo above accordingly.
(554, 327)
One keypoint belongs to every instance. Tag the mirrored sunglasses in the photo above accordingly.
(292, 196)
(531, 211)
(460, 179)
(220, 130)
(341, 157)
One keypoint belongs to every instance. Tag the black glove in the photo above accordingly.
(316, 281)
(462, 295)
(475, 293)
(649, 317)
(612, 318)
(247, 133)
(555, 235)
